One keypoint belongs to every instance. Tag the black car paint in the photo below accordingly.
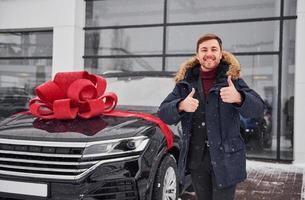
(13, 100)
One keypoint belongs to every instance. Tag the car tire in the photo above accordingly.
(166, 180)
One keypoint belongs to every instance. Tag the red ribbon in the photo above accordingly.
(73, 94)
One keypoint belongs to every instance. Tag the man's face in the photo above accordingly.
(209, 54)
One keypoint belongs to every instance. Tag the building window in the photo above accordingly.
(25, 62)
(136, 35)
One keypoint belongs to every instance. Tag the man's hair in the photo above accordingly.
(206, 37)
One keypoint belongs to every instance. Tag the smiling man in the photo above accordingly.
(208, 98)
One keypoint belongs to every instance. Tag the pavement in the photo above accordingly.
(268, 181)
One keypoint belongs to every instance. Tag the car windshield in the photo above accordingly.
(142, 91)
(13, 100)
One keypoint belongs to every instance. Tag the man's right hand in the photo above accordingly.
(189, 104)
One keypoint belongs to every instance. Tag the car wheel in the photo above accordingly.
(166, 180)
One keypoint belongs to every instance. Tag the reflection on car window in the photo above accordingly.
(13, 100)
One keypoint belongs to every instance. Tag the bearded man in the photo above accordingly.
(208, 98)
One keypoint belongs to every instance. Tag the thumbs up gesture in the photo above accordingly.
(189, 104)
(230, 94)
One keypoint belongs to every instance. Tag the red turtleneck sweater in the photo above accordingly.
(207, 79)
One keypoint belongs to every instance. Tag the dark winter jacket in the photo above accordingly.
(226, 146)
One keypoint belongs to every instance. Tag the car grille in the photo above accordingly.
(50, 160)
(116, 189)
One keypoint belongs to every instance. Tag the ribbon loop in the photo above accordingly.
(92, 108)
(63, 109)
(110, 99)
(49, 92)
(81, 90)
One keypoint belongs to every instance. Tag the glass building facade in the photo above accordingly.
(142, 35)
(25, 62)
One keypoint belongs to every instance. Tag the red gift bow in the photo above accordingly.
(83, 94)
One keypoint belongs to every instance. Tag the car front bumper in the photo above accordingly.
(123, 180)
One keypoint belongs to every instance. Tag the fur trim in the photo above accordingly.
(234, 66)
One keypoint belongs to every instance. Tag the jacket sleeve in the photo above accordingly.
(168, 110)
(252, 105)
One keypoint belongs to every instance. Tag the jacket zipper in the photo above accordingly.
(219, 117)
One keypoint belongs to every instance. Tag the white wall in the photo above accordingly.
(299, 108)
(65, 17)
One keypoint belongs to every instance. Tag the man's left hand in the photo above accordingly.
(230, 94)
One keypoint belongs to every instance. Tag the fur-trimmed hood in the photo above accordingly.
(234, 66)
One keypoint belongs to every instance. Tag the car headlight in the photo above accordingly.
(115, 147)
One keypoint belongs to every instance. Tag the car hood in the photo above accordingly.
(27, 127)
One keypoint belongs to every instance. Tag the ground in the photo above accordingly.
(269, 181)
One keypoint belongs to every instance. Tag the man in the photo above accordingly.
(208, 98)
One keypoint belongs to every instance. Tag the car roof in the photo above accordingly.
(12, 90)
(138, 73)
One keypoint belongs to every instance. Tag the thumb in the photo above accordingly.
(191, 94)
(230, 83)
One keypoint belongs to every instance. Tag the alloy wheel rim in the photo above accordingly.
(170, 185)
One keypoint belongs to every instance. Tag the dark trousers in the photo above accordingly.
(204, 183)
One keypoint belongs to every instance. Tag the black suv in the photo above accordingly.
(93, 159)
